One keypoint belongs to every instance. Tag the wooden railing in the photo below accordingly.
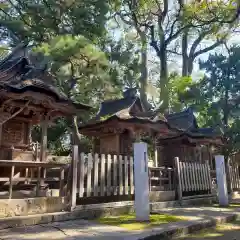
(34, 176)
(194, 179)
(105, 175)
(161, 179)
(234, 173)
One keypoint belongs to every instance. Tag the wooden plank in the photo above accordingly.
(197, 176)
(183, 175)
(43, 150)
(209, 180)
(204, 177)
(183, 171)
(38, 181)
(238, 177)
(126, 175)
(9, 163)
(96, 163)
(26, 175)
(89, 174)
(120, 175)
(190, 176)
(187, 177)
(23, 179)
(194, 176)
(109, 174)
(131, 176)
(115, 167)
(102, 183)
(191, 183)
(169, 179)
(75, 158)
(61, 183)
(81, 168)
(11, 182)
(201, 176)
(179, 182)
(1, 126)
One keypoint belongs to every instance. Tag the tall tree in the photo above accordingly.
(173, 22)
(68, 32)
(185, 19)
(219, 90)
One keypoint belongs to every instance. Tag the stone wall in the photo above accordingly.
(31, 206)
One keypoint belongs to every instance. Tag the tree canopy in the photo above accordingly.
(97, 48)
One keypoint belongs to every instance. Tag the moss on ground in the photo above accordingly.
(129, 222)
(228, 231)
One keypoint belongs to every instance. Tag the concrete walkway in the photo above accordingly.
(81, 229)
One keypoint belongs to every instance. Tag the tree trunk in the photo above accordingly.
(144, 73)
(185, 60)
(190, 66)
(164, 93)
(76, 136)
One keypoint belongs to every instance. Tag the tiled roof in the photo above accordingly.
(19, 75)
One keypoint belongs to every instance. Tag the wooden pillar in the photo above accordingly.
(43, 151)
(155, 153)
(160, 152)
(1, 126)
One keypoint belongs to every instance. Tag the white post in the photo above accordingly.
(141, 182)
(221, 180)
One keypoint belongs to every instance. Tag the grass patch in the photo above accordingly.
(227, 230)
(129, 222)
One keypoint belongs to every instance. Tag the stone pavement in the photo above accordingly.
(89, 230)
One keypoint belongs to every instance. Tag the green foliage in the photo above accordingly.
(44, 19)
(68, 33)
(219, 88)
(178, 87)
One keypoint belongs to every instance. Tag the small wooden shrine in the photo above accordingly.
(119, 122)
(192, 143)
(28, 96)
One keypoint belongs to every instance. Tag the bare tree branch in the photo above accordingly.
(197, 41)
(207, 49)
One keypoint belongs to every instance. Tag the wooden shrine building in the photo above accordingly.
(119, 122)
(192, 144)
(28, 96)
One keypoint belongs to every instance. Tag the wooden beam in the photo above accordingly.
(43, 150)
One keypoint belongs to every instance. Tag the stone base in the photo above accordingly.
(161, 196)
(30, 206)
(235, 195)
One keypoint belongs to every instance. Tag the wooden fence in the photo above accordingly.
(112, 175)
(161, 179)
(104, 175)
(234, 173)
(194, 179)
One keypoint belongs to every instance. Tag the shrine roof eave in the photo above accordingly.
(157, 127)
(67, 107)
(201, 139)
